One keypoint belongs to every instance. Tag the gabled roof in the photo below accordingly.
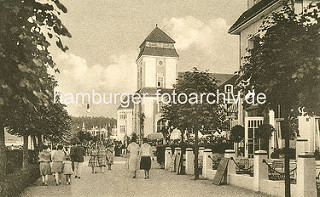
(252, 12)
(131, 104)
(157, 35)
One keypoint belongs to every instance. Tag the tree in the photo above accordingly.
(284, 65)
(194, 114)
(25, 59)
(237, 134)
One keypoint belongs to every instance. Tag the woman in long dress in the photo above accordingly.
(145, 153)
(102, 157)
(133, 152)
(93, 161)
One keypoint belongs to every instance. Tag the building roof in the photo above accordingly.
(131, 104)
(231, 81)
(250, 13)
(221, 78)
(153, 51)
(157, 35)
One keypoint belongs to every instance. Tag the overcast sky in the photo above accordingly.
(106, 35)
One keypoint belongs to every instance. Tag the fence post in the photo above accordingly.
(177, 151)
(301, 146)
(207, 162)
(230, 154)
(189, 161)
(306, 172)
(260, 169)
(167, 158)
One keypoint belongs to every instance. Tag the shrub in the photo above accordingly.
(237, 133)
(13, 184)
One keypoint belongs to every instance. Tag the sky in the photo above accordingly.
(106, 35)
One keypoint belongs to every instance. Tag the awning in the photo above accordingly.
(155, 136)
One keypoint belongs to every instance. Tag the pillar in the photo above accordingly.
(177, 152)
(260, 169)
(207, 162)
(167, 158)
(230, 154)
(301, 146)
(306, 172)
(189, 161)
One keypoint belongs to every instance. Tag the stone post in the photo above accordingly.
(207, 162)
(301, 146)
(167, 158)
(230, 154)
(201, 150)
(306, 172)
(177, 151)
(189, 161)
(260, 169)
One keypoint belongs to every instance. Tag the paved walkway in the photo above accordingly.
(118, 182)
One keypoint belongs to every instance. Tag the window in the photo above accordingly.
(123, 115)
(160, 81)
(122, 129)
(228, 89)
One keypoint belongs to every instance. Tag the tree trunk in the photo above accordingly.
(3, 154)
(196, 154)
(25, 152)
(39, 142)
(287, 160)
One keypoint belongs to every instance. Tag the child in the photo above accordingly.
(67, 168)
(45, 169)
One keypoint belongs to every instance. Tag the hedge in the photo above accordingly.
(13, 184)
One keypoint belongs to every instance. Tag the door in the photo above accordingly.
(251, 126)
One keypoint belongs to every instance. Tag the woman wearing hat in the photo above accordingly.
(133, 153)
(145, 153)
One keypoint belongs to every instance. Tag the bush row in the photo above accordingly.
(13, 184)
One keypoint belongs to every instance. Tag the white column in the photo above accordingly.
(189, 161)
(306, 175)
(260, 168)
(207, 162)
(301, 146)
(167, 158)
(230, 154)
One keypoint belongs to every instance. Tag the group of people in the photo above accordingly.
(61, 162)
(100, 157)
(139, 155)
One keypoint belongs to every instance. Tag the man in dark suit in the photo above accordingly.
(77, 157)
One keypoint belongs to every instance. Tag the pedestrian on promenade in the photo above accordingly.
(77, 157)
(93, 161)
(45, 169)
(145, 153)
(109, 156)
(57, 164)
(102, 157)
(67, 168)
(133, 154)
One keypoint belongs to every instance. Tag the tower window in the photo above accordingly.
(160, 81)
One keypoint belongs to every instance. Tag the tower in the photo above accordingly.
(157, 61)
(156, 69)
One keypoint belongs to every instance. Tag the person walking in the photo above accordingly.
(102, 157)
(67, 169)
(133, 153)
(93, 161)
(77, 157)
(45, 168)
(145, 153)
(110, 156)
(57, 164)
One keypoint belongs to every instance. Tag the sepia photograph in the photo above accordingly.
(179, 98)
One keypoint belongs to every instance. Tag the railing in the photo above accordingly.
(276, 172)
(243, 168)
